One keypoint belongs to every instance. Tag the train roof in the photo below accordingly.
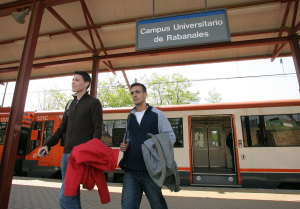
(4, 109)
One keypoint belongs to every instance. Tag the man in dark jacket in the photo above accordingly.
(81, 122)
(142, 119)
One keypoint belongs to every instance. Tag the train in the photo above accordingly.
(24, 133)
(244, 144)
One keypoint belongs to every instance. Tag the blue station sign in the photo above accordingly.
(182, 30)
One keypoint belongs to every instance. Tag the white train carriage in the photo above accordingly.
(251, 144)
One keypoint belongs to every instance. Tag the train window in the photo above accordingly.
(48, 129)
(271, 130)
(216, 136)
(177, 127)
(199, 137)
(35, 143)
(113, 132)
(3, 126)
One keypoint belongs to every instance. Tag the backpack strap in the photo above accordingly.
(65, 116)
(69, 104)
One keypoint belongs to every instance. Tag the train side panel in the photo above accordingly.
(267, 167)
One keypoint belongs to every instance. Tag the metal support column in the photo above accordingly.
(18, 104)
(95, 72)
(4, 94)
(294, 44)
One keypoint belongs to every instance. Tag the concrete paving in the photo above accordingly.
(27, 193)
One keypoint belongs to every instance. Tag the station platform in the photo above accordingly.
(27, 193)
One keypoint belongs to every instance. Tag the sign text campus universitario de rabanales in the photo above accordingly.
(182, 30)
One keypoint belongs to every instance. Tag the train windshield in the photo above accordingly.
(22, 140)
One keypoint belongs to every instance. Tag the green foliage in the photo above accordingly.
(55, 100)
(112, 94)
(169, 90)
(214, 97)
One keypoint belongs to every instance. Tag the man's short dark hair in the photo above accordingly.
(86, 77)
(139, 84)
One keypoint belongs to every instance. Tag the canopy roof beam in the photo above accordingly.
(7, 9)
(278, 51)
(196, 48)
(62, 21)
(108, 67)
(88, 25)
(97, 34)
(294, 44)
(275, 51)
(2, 8)
(167, 65)
(291, 31)
(133, 46)
(295, 14)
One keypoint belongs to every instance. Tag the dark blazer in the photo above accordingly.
(84, 123)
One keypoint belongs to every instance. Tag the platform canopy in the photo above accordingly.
(258, 28)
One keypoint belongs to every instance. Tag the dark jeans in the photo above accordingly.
(67, 202)
(137, 182)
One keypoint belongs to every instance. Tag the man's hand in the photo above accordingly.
(124, 146)
(41, 150)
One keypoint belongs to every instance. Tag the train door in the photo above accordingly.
(213, 159)
(47, 133)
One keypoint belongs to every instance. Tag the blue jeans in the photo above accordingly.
(137, 182)
(67, 202)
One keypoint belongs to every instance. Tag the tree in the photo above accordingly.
(49, 100)
(37, 101)
(55, 100)
(113, 94)
(170, 90)
(214, 97)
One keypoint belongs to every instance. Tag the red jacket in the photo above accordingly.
(100, 158)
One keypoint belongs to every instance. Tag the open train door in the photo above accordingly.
(212, 151)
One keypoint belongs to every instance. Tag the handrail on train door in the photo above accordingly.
(192, 149)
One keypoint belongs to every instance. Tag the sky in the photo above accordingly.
(256, 80)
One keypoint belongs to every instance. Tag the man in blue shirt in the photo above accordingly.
(142, 119)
